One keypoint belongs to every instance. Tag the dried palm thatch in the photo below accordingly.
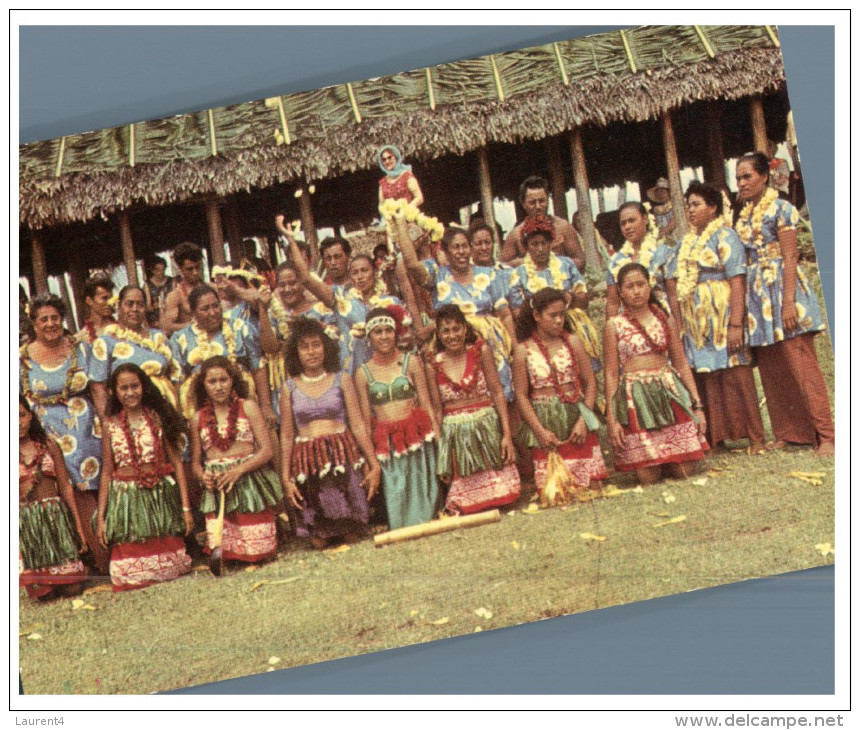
(450, 109)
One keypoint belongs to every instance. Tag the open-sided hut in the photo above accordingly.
(595, 111)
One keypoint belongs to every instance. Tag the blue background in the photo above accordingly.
(772, 635)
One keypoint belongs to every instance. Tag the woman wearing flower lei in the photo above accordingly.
(54, 378)
(230, 453)
(130, 339)
(709, 272)
(349, 304)
(654, 417)
(392, 392)
(641, 245)
(476, 290)
(780, 334)
(476, 451)
(542, 268)
(211, 334)
(556, 391)
(50, 533)
(144, 508)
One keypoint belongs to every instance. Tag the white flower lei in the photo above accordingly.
(646, 252)
(390, 208)
(535, 283)
(751, 233)
(688, 257)
(205, 346)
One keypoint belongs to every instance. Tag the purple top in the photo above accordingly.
(329, 405)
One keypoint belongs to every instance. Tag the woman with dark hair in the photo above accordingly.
(350, 305)
(478, 292)
(130, 339)
(144, 509)
(398, 181)
(476, 453)
(641, 245)
(780, 334)
(230, 453)
(542, 268)
(323, 439)
(156, 286)
(210, 334)
(50, 534)
(653, 412)
(54, 374)
(709, 272)
(394, 400)
(556, 391)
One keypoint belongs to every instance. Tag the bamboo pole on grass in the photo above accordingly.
(436, 527)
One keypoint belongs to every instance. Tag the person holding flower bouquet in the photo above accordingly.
(783, 313)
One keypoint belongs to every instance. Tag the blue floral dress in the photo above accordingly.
(478, 300)
(151, 353)
(58, 397)
(561, 273)
(706, 313)
(191, 347)
(766, 279)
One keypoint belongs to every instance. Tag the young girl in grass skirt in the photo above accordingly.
(556, 391)
(50, 534)
(230, 453)
(392, 392)
(654, 415)
(476, 452)
(323, 440)
(144, 510)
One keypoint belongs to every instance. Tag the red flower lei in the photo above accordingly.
(639, 327)
(146, 479)
(468, 378)
(210, 422)
(553, 371)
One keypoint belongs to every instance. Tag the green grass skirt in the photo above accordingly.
(558, 417)
(252, 492)
(650, 394)
(471, 441)
(135, 514)
(46, 534)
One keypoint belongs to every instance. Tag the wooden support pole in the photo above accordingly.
(40, 267)
(71, 323)
(674, 175)
(758, 126)
(486, 186)
(127, 248)
(309, 227)
(447, 524)
(583, 200)
(715, 169)
(78, 273)
(234, 237)
(556, 177)
(216, 233)
(601, 200)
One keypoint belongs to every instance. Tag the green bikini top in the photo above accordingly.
(401, 388)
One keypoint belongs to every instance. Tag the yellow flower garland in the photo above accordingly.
(752, 234)
(282, 319)
(691, 248)
(204, 345)
(157, 345)
(390, 208)
(535, 283)
(646, 252)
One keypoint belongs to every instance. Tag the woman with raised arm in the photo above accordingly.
(556, 391)
(323, 440)
(781, 335)
(230, 454)
(392, 393)
(476, 451)
(144, 508)
(50, 534)
(654, 415)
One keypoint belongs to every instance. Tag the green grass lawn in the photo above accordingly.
(747, 519)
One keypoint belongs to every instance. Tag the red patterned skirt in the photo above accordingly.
(584, 462)
(139, 564)
(42, 581)
(249, 537)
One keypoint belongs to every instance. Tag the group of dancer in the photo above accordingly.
(328, 403)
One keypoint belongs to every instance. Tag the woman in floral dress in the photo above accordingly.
(781, 335)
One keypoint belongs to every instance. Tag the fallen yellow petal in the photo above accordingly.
(483, 613)
(413, 613)
(383, 604)
(811, 474)
(30, 629)
(258, 584)
(477, 630)
(825, 548)
(808, 477)
(250, 568)
(79, 604)
(274, 660)
(674, 520)
(199, 569)
(592, 537)
(339, 549)
(515, 545)
(668, 497)
(99, 589)
(637, 490)
(270, 669)
(532, 509)
(440, 621)
(34, 637)
(701, 482)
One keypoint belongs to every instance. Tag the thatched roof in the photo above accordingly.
(452, 109)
